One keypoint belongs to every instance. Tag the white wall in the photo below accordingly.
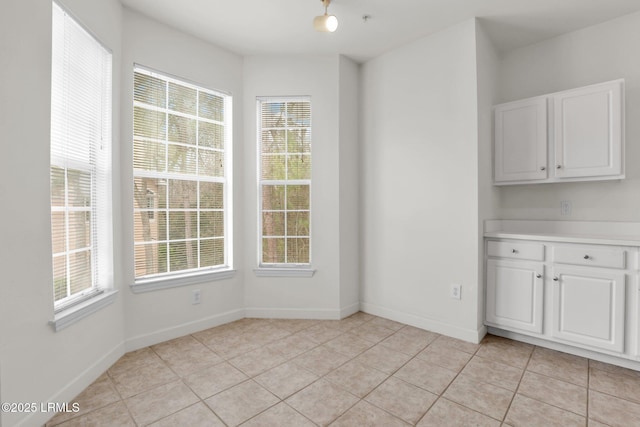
(349, 186)
(488, 194)
(160, 315)
(419, 183)
(596, 54)
(37, 364)
(318, 77)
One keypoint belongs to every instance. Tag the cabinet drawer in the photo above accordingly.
(516, 250)
(594, 256)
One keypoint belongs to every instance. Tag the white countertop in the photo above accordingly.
(589, 232)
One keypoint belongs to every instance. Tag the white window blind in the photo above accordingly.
(80, 161)
(181, 165)
(284, 147)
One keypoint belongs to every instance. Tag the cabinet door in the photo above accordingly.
(521, 140)
(515, 294)
(588, 131)
(589, 306)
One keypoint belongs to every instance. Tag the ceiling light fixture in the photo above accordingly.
(325, 23)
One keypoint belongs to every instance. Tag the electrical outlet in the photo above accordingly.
(456, 291)
(565, 207)
(196, 297)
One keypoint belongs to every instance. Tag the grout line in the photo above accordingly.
(524, 370)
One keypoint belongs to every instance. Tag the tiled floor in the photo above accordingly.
(360, 371)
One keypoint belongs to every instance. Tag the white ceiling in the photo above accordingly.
(250, 27)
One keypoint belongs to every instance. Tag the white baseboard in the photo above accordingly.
(76, 385)
(167, 334)
(293, 313)
(349, 310)
(470, 335)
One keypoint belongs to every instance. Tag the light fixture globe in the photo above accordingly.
(325, 23)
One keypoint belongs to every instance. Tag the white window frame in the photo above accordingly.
(78, 305)
(280, 269)
(166, 280)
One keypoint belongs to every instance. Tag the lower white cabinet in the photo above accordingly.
(589, 307)
(584, 295)
(515, 294)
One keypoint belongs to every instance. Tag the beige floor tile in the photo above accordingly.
(344, 324)
(130, 383)
(372, 332)
(348, 344)
(319, 333)
(563, 366)
(613, 369)
(212, 336)
(525, 412)
(320, 360)
(281, 415)
(383, 359)
(356, 378)
(99, 394)
(233, 345)
(292, 346)
(265, 334)
(594, 423)
(404, 344)
(495, 373)
(447, 413)
(257, 361)
(404, 400)
(503, 351)
(615, 383)
(481, 397)
(293, 325)
(364, 414)
(419, 334)
(286, 379)
(237, 404)
(555, 392)
(159, 402)
(423, 374)
(322, 402)
(214, 379)
(456, 344)
(386, 323)
(186, 355)
(613, 411)
(115, 414)
(448, 358)
(134, 360)
(198, 415)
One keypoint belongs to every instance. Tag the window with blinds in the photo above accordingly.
(181, 165)
(80, 162)
(284, 149)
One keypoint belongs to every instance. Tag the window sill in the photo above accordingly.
(284, 272)
(158, 283)
(73, 314)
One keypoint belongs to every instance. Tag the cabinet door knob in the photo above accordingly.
(514, 251)
(542, 168)
(538, 276)
(559, 167)
(555, 279)
(587, 257)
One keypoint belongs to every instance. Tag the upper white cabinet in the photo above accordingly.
(574, 135)
(521, 140)
(588, 131)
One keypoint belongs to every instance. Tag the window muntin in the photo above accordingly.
(284, 181)
(80, 162)
(181, 161)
